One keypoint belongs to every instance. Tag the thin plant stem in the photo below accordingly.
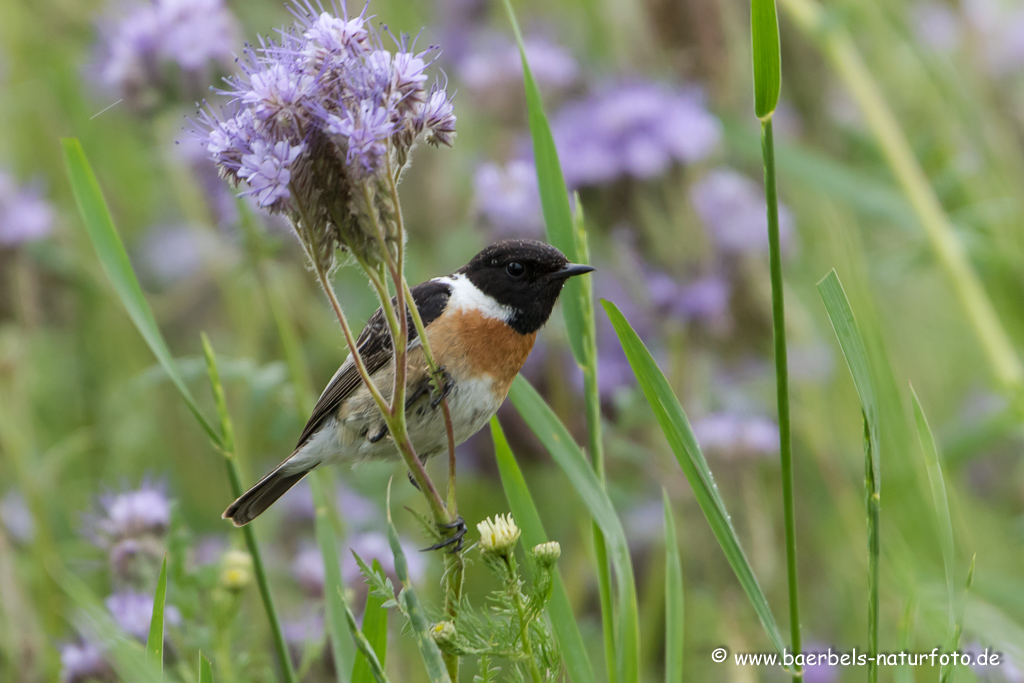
(592, 398)
(839, 47)
(873, 509)
(230, 461)
(515, 590)
(781, 382)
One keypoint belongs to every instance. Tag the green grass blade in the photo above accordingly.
(375, 629)
(374, 667)
(155, 641)
(126, 655)
(673, 599)
(235, 480)
(554, 197)
(852, 343)
(681, 440)
(953, 644)
(942, 516)
(205, 670)
(342, 646)
(559, 443)
(434, 664)
(764, 35)
(114, 259)
(563, 623)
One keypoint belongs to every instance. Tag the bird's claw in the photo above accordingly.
(459, 525)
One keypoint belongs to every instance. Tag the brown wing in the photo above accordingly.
(375, 348)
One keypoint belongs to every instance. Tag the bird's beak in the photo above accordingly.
(571, 269)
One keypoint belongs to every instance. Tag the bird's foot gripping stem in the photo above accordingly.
(459, 527)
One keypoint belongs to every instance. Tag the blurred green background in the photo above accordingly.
(651, 103)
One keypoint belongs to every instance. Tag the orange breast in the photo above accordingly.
(487, 346)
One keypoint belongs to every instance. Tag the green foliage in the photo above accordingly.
(155, 641)
(673, 599)
(375, 629)
(764, 33)
(563, 622)
(205, 671)
(684, 445)
(563, 449)
(852, 343)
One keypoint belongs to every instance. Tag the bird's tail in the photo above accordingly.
(264, 493)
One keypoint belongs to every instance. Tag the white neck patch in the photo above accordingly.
(466, 296)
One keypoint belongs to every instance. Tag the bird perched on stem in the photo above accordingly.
(481, 322)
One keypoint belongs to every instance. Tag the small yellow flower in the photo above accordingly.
(547, 554)
(235, 570)
(498, 536)
(443, 633)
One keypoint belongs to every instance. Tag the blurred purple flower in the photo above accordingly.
(357, 511)
(16, 517)
(704, 300)
(819, 672)
(635, 129)
(24, 215)
(732, 436)
(308, 567)
(133, 611)
(1006, 671)
(937, 25)
(733, 210)
(308, 628)
(172, 253)
(493, 71)
(509, 200)
(145, 511)
(1000, 30)
(166, 48)
(82, 662)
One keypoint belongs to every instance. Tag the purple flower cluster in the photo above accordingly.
(732, 208)
(131, 526)
(24, 214)
(633, 130)
(166, 49)
(321, 119)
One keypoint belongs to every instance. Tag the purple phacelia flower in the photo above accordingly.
(133, 611)
(166, 49)
(17, 518)
(637, 130)
(508, 199)
(438, 119)
(82, 662)
(24, 215)
(267, 170)
(366, 131)
(733, 210)
(322, 118)
(143, 512)
(493, 72)
(732, 436)
(937, 26)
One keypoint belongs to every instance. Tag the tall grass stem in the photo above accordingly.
(781, 381)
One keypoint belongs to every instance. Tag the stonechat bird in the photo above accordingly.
(481, 322)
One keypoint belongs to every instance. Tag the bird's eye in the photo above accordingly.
(515, 269)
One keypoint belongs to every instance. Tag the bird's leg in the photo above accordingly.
(447, 384)
(459, 526)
